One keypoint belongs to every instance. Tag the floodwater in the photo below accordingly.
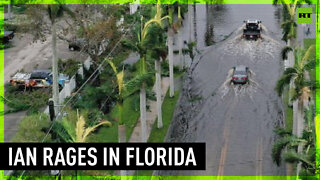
(235, 121)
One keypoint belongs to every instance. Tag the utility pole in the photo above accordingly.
(55, 86)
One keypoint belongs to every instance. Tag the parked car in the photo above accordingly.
(240, 75)
(20, 79)
(37, 79)
(43, 79)
(252, 29)
(76, 44)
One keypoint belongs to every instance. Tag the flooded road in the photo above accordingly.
(235, 121)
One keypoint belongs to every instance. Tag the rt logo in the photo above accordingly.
(304, 15)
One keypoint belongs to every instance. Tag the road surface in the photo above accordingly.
(236, 122)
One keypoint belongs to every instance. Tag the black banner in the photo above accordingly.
(101, 156)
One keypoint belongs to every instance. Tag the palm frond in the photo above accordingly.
(282, 132)
(134, 84)
(293, 157)
(91, 129)
(285, 51)
(311, 64)
(80, 128)
(307, 55)
(129, 45)
(282, 82)
(61, 132)
(277, 149)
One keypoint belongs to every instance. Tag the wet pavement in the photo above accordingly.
(235, 121)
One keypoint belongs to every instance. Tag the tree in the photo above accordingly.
(290, 143)
(301, 92)
(141, 48)
(158, 53)
(76, 130)
(173, 27)
(38, 28)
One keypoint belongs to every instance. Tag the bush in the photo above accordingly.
(32, 101)
(10, 27)
(68, 67)
(33, 128)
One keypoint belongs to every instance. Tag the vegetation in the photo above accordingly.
(31, 100)
(290, 142)
(68, 67)
(33, 128)
(112, 93)
(67, 130)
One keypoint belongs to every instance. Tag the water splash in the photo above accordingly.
(239, 90)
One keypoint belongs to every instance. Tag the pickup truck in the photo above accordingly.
(252, 29)
(37, 79)
(20, 79)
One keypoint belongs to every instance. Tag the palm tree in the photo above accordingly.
(289, 25)
(120, 98)
(159, 52)
(141, 48)
(301, 91)
(71, 132)
(302, 88)
(173, 27)
(290, 143)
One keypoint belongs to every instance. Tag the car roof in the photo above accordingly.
(41, 71)
(240, 68)
(40, 74)
(252, 21)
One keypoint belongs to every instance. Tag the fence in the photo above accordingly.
(70, 85)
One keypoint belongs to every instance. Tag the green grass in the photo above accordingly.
(130, 115)
(105, 134)
(288, 110)
(130, 112)
(168, 107)
(308, 42)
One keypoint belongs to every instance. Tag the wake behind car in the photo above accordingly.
(240, 75)
(252, 29)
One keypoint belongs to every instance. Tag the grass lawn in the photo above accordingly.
(158, 135)
(308, 42)
(168, 107)
(130, 113)
(110, 134)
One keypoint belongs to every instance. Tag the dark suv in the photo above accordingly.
(252, 29)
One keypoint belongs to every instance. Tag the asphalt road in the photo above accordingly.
(235, 121)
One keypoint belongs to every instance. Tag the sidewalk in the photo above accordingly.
(151, 117)
(151, 113)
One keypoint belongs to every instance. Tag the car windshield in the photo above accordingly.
(239, 73)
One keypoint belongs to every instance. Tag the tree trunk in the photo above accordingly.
(143, 113)
(122, 139)
(300, 127)
(9, 11)
(180, 46)
(158, 92)
(191, 25)
(55, 85)
(170, 56)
